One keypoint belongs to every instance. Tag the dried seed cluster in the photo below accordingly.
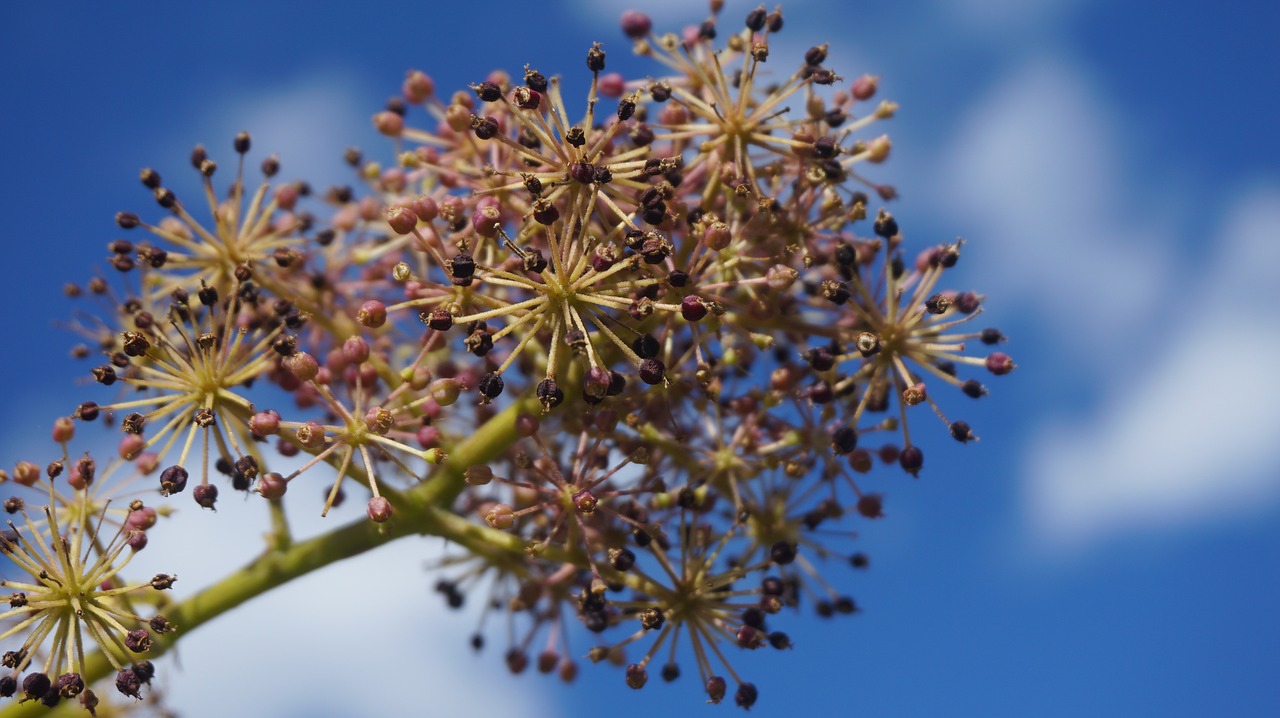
(687, 319)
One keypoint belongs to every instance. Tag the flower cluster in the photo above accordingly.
(69, 557)
(639, 364)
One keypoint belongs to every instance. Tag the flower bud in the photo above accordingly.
(878, 149)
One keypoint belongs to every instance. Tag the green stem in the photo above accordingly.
(425, 509)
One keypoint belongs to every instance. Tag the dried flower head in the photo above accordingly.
(74, 595)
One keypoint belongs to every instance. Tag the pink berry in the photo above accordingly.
(64, 429)
(302, 365)
(372, 314)
(389, 123)
(418, 87)
(356, 350)
(612, 85)
(636, 24)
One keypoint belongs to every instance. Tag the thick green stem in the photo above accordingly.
(425, 509)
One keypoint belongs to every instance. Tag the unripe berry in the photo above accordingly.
(487, 221)
(500, 516)
(389, 123)
(870, 506)
(130, 446)
(636, 24)
(402, 219)
(141, 518)
(310, 435)
(355, 350)
(717, 236)
(865, 87)
(26, 472)
(372, 314)
(379, 509)
(265, 423)
(418, 87)
(64, 429)
(379, 420)
(302, 365)
(611, 85)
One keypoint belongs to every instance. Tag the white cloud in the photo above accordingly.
(1034, 176)
(368, 633)
(1189, 431)
(1176, 359)
(1009, 19)
(306, 121)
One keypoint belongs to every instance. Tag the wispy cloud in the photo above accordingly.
(1006, 19)
(1035, 173)
(306, 121)
(1179, 409)
(1189, 433)
(363, 633)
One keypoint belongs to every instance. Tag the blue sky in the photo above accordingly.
(1108, 548)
